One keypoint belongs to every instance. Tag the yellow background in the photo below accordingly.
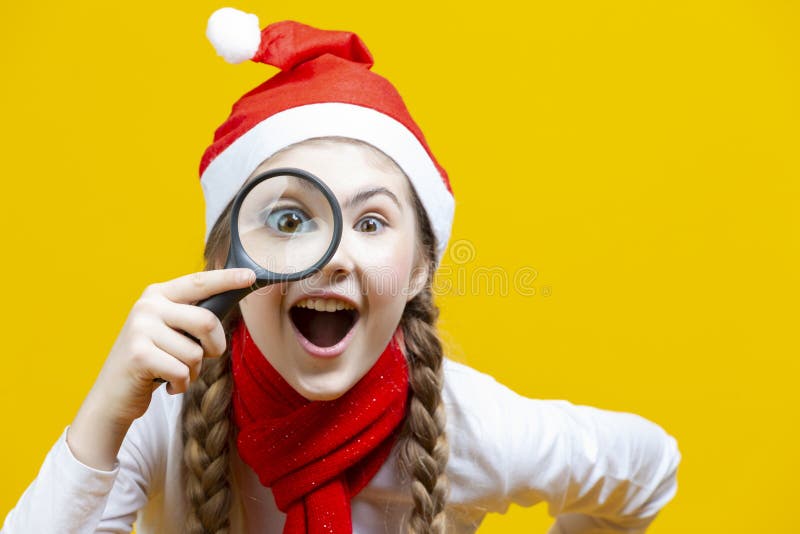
(641, 157)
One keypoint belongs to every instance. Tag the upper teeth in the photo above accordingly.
(326, 305)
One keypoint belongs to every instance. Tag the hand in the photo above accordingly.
(152, 345)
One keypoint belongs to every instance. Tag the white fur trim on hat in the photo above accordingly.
(236, 35)
(230, 169)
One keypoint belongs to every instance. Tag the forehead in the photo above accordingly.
(345, 167)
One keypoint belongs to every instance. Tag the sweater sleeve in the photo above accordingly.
(66, 495)
(70, 497)
(599, 471)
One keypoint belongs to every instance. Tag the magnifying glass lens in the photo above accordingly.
(286, 224)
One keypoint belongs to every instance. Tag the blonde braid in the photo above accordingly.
(423, 448)
(207, 428)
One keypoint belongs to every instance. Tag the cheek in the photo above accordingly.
(386, 275)
(261, 309)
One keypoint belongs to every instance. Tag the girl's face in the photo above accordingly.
(324, 333)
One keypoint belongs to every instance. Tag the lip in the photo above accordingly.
(334, 350)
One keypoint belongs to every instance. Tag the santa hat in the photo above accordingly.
(325, 88)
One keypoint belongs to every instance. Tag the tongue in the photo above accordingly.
(323, 329)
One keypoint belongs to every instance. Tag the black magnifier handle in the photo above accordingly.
(221, 303)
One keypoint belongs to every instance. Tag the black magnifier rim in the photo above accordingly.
(239, 258)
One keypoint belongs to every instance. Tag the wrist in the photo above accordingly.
(95, 437)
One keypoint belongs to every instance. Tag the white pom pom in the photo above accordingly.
(236, 35)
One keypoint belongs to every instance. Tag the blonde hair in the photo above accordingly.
(208, 430)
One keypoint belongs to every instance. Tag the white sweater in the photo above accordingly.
(599, 471)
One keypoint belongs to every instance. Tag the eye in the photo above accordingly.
(369, 225)
(290, 221)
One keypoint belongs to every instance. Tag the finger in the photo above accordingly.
(198, 322)
(164, 365)
(181, 347)
(201, 285)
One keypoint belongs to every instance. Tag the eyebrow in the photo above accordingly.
(366, 194)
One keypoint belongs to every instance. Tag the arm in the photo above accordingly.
(599, 471)
(602, 471)
(72, 497)
(96, 475)
(66, 495)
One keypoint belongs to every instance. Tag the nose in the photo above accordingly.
(341, 264)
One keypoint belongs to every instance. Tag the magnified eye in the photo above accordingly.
(290, 221)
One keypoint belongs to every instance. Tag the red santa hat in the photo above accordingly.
(325, 88)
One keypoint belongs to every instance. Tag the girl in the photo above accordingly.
(327, 405)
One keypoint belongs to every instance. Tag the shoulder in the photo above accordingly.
(467, 392)
(461, 379)
(471, 395)
(480, 420)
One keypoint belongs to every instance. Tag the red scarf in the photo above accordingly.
(315, 455)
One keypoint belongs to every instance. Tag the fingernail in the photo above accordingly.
(247, 276)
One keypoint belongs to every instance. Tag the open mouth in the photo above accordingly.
(323, 322)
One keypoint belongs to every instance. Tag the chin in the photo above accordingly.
(321, 392)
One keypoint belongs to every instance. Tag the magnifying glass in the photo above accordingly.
(285, 225)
